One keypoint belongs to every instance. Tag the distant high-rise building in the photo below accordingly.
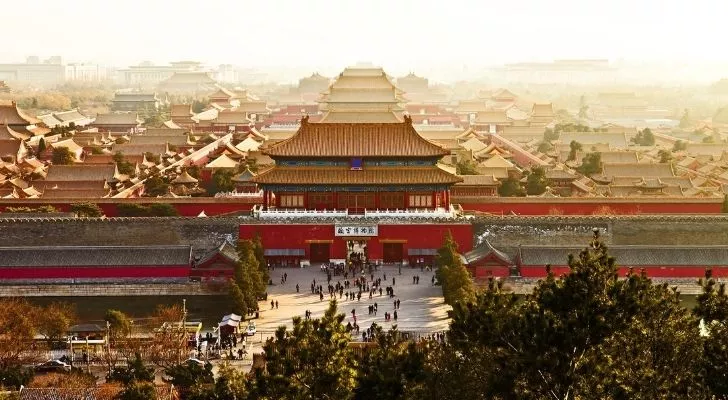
(149, 75)
(55, 60)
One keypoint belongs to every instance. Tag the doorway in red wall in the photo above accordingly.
(392, 252)
(320, 252)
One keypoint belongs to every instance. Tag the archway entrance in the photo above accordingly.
(392, 252)
(320, 252)
(356, 251)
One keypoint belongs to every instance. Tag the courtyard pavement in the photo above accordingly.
(421, 305)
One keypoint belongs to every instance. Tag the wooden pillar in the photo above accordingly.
(335, 199)
(406, 199)
(376, 200)
(265, 199)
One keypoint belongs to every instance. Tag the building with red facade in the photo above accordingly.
(59, 264)
(386, 240)
(657, 261)
(356, 167)
(371, 186)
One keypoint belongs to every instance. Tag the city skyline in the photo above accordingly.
(403, 35)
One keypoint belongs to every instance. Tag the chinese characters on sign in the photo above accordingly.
(355, 230)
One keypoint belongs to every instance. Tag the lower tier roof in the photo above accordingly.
(347, 176)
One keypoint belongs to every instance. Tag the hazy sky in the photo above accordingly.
(399, 34)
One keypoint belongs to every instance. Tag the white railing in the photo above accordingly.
(298, 213)
(385, 213)
(413, 212)
(239, 194)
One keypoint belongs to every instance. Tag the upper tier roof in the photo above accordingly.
(356, 140)
(10, 114)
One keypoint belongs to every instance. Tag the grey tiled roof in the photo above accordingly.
(80, 172)
(483, 251)
(698, 256)
(61, 256)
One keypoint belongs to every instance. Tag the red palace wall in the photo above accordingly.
(191, 207)
(521, 206)
(179, 271)
(412, 236)
(187, 207)
(653, 272)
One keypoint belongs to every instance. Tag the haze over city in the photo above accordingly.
(362, 200)
(445, 37)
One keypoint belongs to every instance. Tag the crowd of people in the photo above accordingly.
(354, 281)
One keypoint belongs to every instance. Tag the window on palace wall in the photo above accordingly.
(420, 200)
(292, 200)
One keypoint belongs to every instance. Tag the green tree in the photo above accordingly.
(155, 186)
(313, 360)
(122, 165)
(86, 209)
(457, 284)
(134, 371)
(237, 299)
(229, 385)
(712, 309)
(665, 156)
(591, 164)
(194, 171)
(41, 146)
(585, 335)
(62, 156)
(247, 254)
(511, 187)
(583, 109)
(467, 167)
(550, 135)
(679, 146)
(260, 257)
(222, 181)
(574, 147)
(536, 182)
(392, 368)
(685, 121)
(162, 210)
(644, 137)
(189, 374)
(131, 210)
(198, 106)
(545, 147)
(120, 324)
(137, 391)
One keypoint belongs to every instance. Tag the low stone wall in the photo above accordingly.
(526, 286)
(91, 290)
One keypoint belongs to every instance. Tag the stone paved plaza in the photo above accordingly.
(421, 310)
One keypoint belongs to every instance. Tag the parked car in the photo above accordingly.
(193, 360)
(250, 330)
(53, 366)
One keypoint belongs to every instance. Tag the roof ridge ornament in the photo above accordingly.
(304, 120)
(408, 119)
